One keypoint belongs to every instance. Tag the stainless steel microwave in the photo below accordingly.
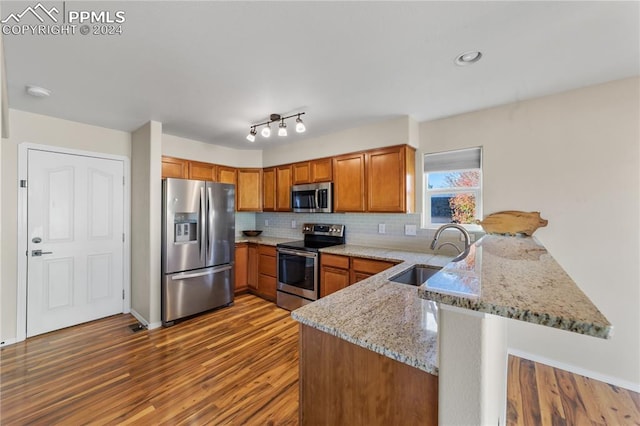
(312, 198)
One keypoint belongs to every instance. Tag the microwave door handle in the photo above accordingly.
(317, 192)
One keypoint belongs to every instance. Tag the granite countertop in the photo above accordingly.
(506, 276)
(515, 277)
(267, 241)
(385, 317)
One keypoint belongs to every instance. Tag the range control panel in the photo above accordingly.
(333, 230)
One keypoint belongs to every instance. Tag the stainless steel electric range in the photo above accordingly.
(298, 267)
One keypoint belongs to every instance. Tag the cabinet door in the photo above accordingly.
(269, 190)
(349, 183)
(227, 175)
(249, 190)
(390, 180)
(203, 171)
(241, 267)
(332, 279)
(252, 267)
(267, 272)
(302, 173)
(321, 170)
(283, 188)
(175, 168)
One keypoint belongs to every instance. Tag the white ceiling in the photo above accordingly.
(208, 70)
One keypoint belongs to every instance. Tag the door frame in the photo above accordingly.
(21, 296)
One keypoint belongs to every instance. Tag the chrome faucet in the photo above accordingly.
(467, 240)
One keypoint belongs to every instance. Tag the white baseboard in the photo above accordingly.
(615, 381)
(142, 320)
(7, 342)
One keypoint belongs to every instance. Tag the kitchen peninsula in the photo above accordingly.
(451, 327)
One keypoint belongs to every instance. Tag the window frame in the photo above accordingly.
(428, 193)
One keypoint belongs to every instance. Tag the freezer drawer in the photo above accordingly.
(191, 292)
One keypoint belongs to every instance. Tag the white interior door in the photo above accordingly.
(75, 257)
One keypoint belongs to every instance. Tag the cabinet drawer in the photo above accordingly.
(334, 260)
(268, 250)
(267, 265)
(369, 266)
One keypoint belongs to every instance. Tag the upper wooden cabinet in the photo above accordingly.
(203, 171)
(276, 189)
(249, 190)
(391, 180)
(312, 171)
(175, 168)
(349, 183)
(283, 188)
(227, 175)
(269, 189)
(378, 181)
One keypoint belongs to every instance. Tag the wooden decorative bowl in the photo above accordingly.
(252, 233)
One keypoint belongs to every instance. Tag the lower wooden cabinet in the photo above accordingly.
(362, 268)
(267, 272)
(334, 273)
(241, 268)
(252, 267)
(338, 272)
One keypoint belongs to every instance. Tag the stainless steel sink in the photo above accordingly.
(416, 275)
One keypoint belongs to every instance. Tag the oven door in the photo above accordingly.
(298, 273)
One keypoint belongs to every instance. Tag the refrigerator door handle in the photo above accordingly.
(211, 271)
(203, 216)
(210, 219)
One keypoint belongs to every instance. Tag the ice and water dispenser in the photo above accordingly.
(185, 227)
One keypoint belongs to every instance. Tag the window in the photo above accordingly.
(453, 187)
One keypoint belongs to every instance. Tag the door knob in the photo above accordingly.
(35, 253)
(36, 240)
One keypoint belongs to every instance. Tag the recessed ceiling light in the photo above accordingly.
(38, 92)
(467, 58)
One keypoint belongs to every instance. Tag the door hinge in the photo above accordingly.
(122, 180)
(23, 183)
(123, 237)
(122, 294)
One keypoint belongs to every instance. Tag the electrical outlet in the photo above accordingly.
(293, 224)
(381, 228)
(266, 222)
(410, 230)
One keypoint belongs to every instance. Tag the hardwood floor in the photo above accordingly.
(233, 366)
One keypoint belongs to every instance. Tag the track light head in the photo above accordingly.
(266, 131)
(282, 128)
(251, 137)
(300, 127)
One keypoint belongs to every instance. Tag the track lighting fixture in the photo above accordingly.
(282, 127)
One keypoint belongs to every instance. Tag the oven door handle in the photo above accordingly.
(298, 253)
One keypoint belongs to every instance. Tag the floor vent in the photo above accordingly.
(137, 327)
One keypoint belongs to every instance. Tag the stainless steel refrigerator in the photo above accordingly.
(198, 237)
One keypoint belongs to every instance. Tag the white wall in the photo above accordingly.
(398, 131)
(575, 158)
(146, 202)
(40, 129)
(174, 146)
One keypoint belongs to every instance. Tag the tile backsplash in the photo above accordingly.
(361, 229)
